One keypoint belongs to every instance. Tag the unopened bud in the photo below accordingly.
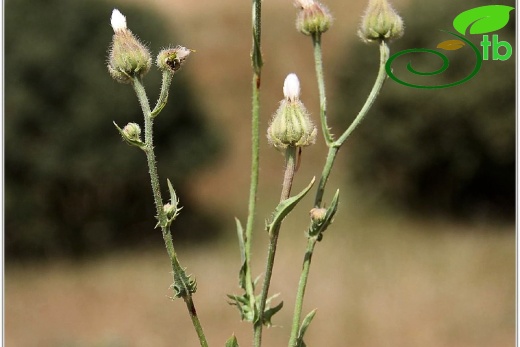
(172, 58)
(291, 124)
(313, 17)
(380, 22)
(318, 214)
(132, 131)
(128, 57)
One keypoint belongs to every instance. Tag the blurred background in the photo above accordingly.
(422, 251)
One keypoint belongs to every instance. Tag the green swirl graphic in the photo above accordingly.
(445, 64)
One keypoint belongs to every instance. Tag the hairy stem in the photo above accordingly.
(161, 216)
(290, 169)
(331, 156)
(318, 64)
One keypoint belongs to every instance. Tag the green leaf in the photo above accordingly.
(286, 206)
(242, 246)
(232, 341)
(303, 328)
(270, 312)
(483, 19)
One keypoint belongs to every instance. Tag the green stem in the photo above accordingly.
(161, 216)
(290, 169)
(384, 53)
(167, 77)
(331, 156)
(256, 61)
(318, 63)
(301, 291)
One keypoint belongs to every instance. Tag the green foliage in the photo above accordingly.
(72, 186)
(448, 151)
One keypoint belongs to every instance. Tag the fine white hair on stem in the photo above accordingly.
(118, 21)
(291, 87)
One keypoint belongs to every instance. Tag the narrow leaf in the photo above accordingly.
(241, 244)
(303, 328)
(232, 341)
(483, 19)
(269, 313)
(286, 206)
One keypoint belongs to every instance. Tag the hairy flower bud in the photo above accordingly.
(172, 58)
(380, 22)
(313, 17)
(132, 131)
(128, 57)
(318, 214)
(291, 124)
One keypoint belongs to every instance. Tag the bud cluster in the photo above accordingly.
(291, 124)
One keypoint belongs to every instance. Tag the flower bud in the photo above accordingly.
(291, 124)
(128, 57)
(172, 58)
(132, 132)
(380, 22)
(318, 214)
(313, 17)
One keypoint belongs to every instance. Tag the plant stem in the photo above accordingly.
(290, 168)
(318, 63)
(256, 61)
(331, 156)
(301, 291)
(161, 216)
(384, 53)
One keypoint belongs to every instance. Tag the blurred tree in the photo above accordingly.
(444, 151)
(72, 187)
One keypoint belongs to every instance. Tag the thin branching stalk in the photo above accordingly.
(256, 62)
(290, 169)
(331, 156)
(161, 215)
(318, 64)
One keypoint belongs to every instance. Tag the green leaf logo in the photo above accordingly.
(483, 19)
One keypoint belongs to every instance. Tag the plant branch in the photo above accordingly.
(290, 169)
(161, 215)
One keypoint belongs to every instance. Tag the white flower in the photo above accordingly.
(291, 87)
(118, 21)
(304, 3)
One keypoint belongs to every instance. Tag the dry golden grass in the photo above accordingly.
(376, 280)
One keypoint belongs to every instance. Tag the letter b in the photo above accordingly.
(496, 45)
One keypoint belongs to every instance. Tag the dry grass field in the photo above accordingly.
(375, 282)
(378, 279)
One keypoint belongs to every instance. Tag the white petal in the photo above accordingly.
(118, 21)
(291, 87)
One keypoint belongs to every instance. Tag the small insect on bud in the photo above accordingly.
(128, 57)
(291, 124)
(313, 17)
(380, 22)
(172, 58)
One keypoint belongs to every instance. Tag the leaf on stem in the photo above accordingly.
(303, 328)
(269, 312)
(242, 246)
(232, 341)
(285, 207)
